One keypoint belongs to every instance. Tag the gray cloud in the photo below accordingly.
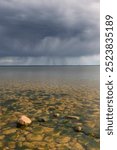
(54, 29)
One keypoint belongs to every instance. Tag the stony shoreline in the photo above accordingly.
(64, 118)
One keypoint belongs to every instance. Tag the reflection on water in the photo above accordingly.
(60, 74)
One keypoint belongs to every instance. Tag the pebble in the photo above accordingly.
(28, 144)
(9, 131)
(21, 139)
(31, 137)
(73, 117)
(2, 137)
(51, 108)
(78, 146)
(11, 145)
(63, 139)
(56, 115)
(24, 120)
(44, 119)
(77, 128)
(47, 129)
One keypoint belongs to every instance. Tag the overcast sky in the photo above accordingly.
(49, 32)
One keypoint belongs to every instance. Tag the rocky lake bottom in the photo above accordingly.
(63, 118)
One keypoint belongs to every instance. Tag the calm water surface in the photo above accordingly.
(51, 74)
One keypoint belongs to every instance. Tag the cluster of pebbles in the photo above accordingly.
(49, 118)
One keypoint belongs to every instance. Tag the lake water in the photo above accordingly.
(62, 102)
(51, 74)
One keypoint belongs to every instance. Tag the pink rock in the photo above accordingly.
(24, 120)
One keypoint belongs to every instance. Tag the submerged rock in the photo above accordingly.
(73, 117)
(9, 131)
(43, 119)
(78, 146)
(24, 121)
(78, 128)
(63, 140)
(56, 115)
(2, 137)
(31, 137)
(51, 108)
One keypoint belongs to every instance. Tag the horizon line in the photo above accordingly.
(43, 65)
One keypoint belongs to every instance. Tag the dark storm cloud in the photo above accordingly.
(49, 28)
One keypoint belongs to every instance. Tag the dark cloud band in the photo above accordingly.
(49, 29)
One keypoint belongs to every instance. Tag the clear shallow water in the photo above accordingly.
(54, 93)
